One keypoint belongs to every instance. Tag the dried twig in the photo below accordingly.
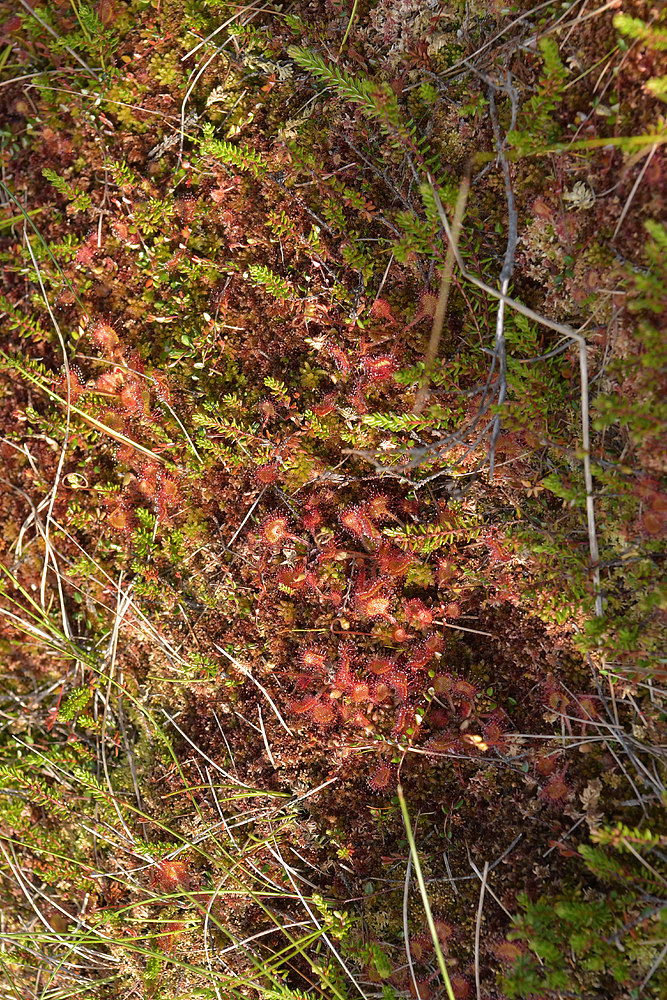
(583, 370)
(217, 51)
(221, 27)
(243, 522)
(229, 777)
(508, 263)
(531, 12)
(420, 453)
(478, 927)
(654, 968)
(246, 673)
(123, 600)
(443, 298)
(324, 935)
(488, 887)
(265, 738)
(634, 191)
(27, 887)
(48, 552)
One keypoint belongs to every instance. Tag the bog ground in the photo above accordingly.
(332, 500)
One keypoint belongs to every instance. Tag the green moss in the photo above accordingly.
(167, 69)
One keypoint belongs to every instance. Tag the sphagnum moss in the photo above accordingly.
(251, 588)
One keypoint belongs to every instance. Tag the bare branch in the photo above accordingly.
(443, 298)
(508, 264)
(578, 339)
(478, 927)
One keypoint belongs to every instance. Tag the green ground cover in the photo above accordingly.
(332, 500)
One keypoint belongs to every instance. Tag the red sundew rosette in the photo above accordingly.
(275, 531)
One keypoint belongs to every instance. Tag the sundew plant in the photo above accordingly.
(332, 500)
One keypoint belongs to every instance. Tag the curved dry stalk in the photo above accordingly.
(499, 349)
(122, 603)
(48, 553)
(633, 192)
(488, 887)
(478, 928)
(325, 937)
(443, 298)
(576, 338)
(246, 673)
(221, 27)
(26, 887)
(229, 777)
(237, 14)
